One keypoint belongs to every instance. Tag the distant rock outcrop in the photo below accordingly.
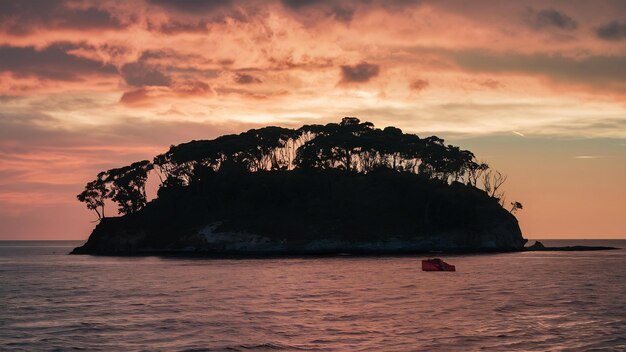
(538, 246)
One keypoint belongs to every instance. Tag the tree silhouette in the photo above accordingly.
(348, 146)
(128, 186)
(492, 183)
(475, 171)
(125, 186)
(94, 195)
(515, 206)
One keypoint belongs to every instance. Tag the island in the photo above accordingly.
(345, 187)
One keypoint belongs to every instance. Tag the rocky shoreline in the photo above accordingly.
(115, 236)
(320, 248)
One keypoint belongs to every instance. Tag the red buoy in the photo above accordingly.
(436, 264)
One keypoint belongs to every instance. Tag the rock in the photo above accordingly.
(538, 246)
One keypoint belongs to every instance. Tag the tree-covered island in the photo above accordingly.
(339, 187)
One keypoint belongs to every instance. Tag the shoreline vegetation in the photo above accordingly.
(343, 187)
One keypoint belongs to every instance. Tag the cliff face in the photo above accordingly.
(311, 213)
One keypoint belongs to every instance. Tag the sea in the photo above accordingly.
(529, 301)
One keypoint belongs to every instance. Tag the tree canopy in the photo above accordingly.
(125, 186)
(350, 145)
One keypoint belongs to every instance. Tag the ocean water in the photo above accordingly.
(532, 301)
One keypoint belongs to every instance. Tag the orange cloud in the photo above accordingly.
(419, 85)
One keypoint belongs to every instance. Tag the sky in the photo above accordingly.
(535, 88)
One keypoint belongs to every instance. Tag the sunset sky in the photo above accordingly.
(535, 88)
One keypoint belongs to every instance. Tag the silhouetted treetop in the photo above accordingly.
(124, 185)
(350, 145)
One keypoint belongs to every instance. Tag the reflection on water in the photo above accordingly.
(520, 301)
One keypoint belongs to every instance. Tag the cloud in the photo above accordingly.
(490, 83)
(174, 61)
(419, 85)
(175, 27)
(165, 73)
(612, 31)
(22, 134)
(192, 6)
(603, 72)
(359, 73)
(248, 94)
(137, 96)
(244, 78)
(111, 53)
(312, 13)
(298, 4)
(305, 62)
(54, 62)
(342, 11)
(147, 95)
(139, 74)
(192, 88)
(21, 17)
(550, 18)
(588, 156)
(193, 16)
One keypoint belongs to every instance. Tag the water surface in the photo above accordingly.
(518, 301)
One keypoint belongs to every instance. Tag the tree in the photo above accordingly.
(350, 145)
(475, 172)
(94, 195)
(128, 186)
(492, 182)
(125, 186)
(350, 121)
(515, 206)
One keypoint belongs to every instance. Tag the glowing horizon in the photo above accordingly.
(535, 88)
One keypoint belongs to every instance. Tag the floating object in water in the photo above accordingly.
(436, 264)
